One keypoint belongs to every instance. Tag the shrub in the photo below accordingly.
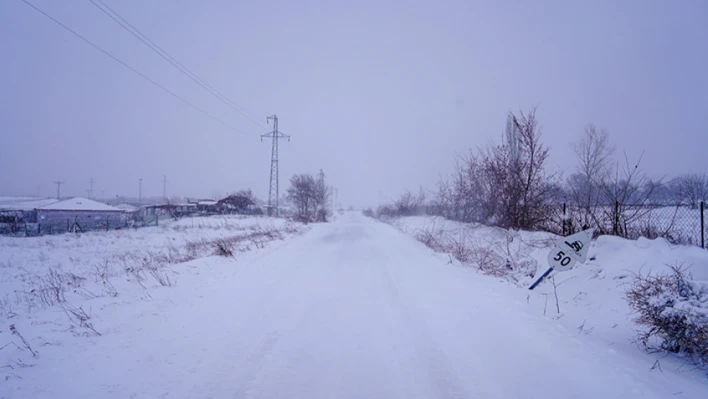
(224, 248)
(673, 309)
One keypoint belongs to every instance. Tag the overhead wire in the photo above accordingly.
(125, 24)
(168, 58)
(124, 64)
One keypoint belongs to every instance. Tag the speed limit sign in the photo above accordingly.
(567, 252)
(559, 260)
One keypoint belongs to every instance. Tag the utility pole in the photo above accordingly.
(273, 192)
(164, 186)
(59, 183)
(91, 190)
(140, 190)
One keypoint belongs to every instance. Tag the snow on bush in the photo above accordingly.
(673, 309)
(494, 251)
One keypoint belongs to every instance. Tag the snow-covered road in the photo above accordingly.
(352, 309)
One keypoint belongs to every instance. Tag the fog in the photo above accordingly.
(383, 96)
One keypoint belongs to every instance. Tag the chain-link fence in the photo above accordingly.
(679, 224)
(31, 228)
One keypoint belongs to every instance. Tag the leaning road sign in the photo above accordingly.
(561, 260)
(567, 252)
(576, 245)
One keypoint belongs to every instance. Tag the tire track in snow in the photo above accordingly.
(254, 362)
(439, 372)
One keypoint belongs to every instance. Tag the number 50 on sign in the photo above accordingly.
(559, 260)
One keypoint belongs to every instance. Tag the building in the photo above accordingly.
(79, 214)
(127, 208)
(170, 210)
(207, 206)
(17, 212)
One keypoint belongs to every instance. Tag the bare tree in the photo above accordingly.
(506, 184)
(627, 193)
(443, 201)
(594, 153)
(516, 184)
(301, 193)
(237, 202)
(408, 204)
(322, 194)
(310, 196)
(692, 189)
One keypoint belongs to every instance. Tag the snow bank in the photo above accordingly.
(591, 296)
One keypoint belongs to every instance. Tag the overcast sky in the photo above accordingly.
(383, 95)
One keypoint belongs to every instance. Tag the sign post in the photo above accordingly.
(567, 252)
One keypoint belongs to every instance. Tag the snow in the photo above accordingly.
(350, 309)
(127, 207)
(78, 204)
(24, 203)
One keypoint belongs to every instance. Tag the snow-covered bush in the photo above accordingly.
(368, 212)
(503, 254)
(673, 309)
(224, 248)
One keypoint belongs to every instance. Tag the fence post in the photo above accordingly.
(565, 221)
(703, 225)
(615, 225)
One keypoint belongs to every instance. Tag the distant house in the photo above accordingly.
(16, 212)
(24, 203)
(78, 214)
(171, 210)
(127, 208)
(207, 206)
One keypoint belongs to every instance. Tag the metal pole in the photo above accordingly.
(58, 183)
(544, 275)
(565, 221)
(703, 225)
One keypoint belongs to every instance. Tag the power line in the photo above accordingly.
(169, 58)
(118, 60)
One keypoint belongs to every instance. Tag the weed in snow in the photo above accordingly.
(14, 331)
(79, 317)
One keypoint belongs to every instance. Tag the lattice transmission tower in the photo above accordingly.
(273, 193)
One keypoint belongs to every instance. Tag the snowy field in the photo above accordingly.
(349, 309)
(53, 288)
